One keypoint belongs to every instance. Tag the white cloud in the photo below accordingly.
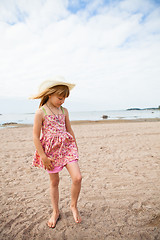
(111, 51)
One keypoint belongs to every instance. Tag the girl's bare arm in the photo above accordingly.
(36, 139)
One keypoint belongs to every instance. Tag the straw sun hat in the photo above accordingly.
(58, 80)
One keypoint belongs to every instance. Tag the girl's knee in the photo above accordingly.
(77, 179)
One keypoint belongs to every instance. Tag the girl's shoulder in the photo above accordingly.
(38, 118)
(40, 112)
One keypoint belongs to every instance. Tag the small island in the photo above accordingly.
(130, 109)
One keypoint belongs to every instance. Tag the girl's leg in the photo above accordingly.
(74, 171)
(54, 192)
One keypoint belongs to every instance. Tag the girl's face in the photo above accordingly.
(56, 100)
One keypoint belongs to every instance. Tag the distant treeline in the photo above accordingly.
(130, 109)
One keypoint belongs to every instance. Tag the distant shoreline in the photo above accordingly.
(86, 117)
(89, 122)
(139, 109)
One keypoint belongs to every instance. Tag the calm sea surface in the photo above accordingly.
(90, 115)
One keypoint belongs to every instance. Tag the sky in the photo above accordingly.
(109, 48)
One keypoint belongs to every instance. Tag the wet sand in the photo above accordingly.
(120, 196)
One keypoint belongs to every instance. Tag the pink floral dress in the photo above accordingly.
(57, 143)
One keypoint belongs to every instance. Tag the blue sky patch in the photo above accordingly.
(75, 6)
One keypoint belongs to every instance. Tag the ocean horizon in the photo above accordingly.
(28, 118)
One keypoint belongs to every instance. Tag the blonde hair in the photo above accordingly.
(60, 90)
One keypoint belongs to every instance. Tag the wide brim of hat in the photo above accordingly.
(52, 83)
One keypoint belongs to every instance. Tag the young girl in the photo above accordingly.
(55, 143)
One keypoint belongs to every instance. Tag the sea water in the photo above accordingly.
(28, 118)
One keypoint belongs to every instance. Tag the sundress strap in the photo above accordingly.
(62, 109)
(44, 111)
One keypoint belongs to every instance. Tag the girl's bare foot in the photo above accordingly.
(53, 220)
(76, 214)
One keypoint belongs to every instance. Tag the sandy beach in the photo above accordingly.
(120, 196)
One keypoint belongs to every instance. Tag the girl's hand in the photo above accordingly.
(47, 162)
